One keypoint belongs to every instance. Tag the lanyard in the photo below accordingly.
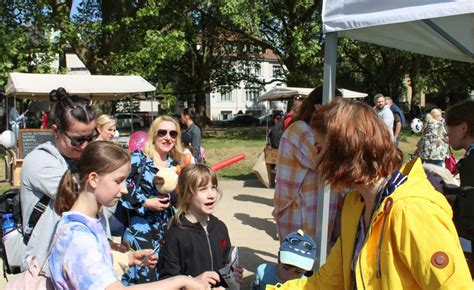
(470, 149)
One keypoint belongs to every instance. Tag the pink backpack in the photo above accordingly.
(34, 277)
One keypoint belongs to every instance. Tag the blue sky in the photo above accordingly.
(75, 3)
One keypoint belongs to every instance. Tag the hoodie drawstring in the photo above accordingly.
(386, 210)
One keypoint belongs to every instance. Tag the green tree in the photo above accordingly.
(372, 69)
(375, 69)
(25, 37)
(214, 57)
(291, 29)
(125, 37)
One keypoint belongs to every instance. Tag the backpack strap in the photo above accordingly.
(38, 210)
(56, 238)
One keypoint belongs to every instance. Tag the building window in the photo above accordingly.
(258, 71)
(226, 94)
(277, 71)
(252, 69)
(247, 70)
(252, 94)
(226, 115)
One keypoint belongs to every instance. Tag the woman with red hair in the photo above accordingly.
(396, 231)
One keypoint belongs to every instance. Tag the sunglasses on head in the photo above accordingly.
(77, 141)
(295, 242)
(163, 132)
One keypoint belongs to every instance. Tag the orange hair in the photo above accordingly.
(358, 145)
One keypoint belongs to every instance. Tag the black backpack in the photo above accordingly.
(9, 203)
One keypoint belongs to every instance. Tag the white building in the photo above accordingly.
(227, 102)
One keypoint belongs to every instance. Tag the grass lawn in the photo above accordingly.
(221, 144)
(3, 185)
(226, 143)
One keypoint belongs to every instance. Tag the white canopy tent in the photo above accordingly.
(96, 87)
(440, 28)
(284, 93)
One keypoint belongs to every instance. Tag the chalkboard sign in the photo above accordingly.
(28, 139)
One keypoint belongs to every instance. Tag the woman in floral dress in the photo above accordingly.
(148, 209)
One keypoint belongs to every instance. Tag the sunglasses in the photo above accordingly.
(295, 242)
(163, 132)
(78, 141)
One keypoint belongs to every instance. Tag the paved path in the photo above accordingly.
(246, 210)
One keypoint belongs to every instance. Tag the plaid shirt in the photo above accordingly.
(296, 185)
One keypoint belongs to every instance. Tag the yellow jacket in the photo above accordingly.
(412, 243)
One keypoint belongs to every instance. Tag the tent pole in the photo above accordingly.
(329, 85)
(131, 116)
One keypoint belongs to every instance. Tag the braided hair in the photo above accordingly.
(68, 108)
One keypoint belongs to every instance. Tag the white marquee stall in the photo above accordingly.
(96, 87)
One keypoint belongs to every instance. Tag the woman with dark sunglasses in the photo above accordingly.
(73, 126)
(148, 209)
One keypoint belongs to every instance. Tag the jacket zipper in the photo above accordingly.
(210, 250)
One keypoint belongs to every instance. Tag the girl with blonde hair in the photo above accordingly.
(197, 241)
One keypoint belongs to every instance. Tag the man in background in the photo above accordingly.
(14, 117)
(398, 119)
(385, 113)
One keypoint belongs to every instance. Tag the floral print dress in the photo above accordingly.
(147, 227)
(433, 144)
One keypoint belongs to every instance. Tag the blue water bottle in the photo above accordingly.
(8, 223)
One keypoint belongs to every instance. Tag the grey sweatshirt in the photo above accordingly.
(42, 170)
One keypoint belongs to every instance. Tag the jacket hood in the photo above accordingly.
(50, 148)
